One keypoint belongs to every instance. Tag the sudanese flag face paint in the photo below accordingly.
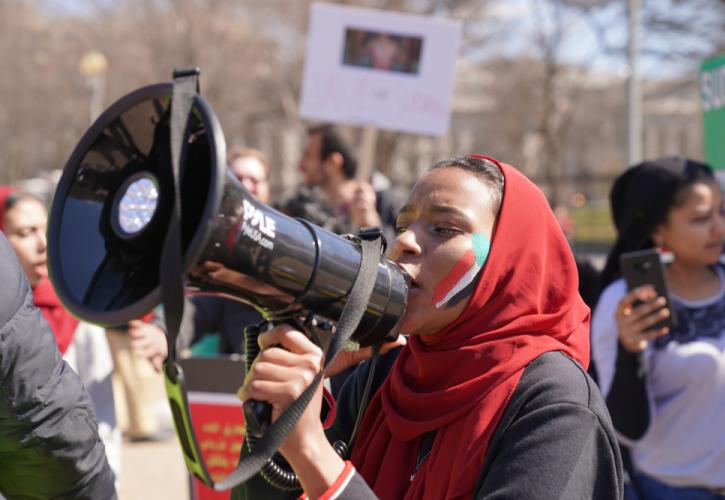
(450, 213)
(460, 282)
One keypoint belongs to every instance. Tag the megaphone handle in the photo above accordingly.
(257, 417)
(258, 414)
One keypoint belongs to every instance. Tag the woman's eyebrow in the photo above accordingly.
(435, 209)
(405, 209)
(447, 210)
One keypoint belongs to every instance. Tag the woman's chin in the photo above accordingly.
(407, 327)
(413, 327)
(34, 280)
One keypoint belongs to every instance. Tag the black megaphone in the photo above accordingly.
(111, 210)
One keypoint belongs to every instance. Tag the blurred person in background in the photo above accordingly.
(49, 442)
(329, 167)
(139, 351)
(251, 167)
(665, 389)
(23, 219)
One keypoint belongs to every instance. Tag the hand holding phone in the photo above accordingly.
(644, 313)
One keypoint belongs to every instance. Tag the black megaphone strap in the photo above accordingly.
(184, 91)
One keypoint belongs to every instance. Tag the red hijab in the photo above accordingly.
(61, 322)
(459, 382)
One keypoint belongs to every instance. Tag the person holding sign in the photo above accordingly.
(665, 386)
(489, 398)
(328, 165)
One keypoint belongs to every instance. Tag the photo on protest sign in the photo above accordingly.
(383, 51)
(377, 68)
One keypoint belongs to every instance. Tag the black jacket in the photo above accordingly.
(49, 444)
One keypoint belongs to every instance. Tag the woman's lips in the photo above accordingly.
(409, 279)
(41, 269)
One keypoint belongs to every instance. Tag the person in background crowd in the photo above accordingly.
(489, 398)
(665, 389)
(23, 219)
(328, 165)
(251, 168)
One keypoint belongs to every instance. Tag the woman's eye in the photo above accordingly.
(400, 229)
(445, 230)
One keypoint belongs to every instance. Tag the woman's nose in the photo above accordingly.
(406, 243)
(42, 241)
(719, 227)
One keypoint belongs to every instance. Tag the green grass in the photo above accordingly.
(592, 225)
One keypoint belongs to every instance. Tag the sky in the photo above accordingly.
(518, 22)
(581, 45)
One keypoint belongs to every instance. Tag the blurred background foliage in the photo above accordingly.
(540, 84)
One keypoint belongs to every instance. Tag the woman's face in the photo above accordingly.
(24, 225)
(694, 229)
(444, 234)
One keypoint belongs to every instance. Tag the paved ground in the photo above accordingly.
(153, 471)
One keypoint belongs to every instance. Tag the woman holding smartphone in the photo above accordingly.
(665, 387)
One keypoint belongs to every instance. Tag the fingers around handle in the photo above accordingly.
(282, 346)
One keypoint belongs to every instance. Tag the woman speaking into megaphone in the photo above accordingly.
(490, 396)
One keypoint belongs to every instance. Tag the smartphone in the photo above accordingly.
(644, 267)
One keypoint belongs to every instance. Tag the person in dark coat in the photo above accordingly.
(49, 442)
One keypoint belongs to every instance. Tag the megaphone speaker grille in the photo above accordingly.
(135, 205)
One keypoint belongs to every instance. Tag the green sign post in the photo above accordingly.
(712, 93)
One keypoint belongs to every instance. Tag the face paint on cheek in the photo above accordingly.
(458, 283)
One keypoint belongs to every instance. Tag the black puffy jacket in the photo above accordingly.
(49, 444)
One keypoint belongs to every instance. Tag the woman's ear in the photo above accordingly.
(657, 236)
